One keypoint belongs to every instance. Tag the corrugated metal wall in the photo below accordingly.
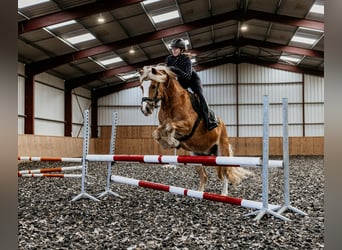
(235, 93)
(127, 104)
(49, 105)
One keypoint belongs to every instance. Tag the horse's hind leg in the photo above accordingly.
(222, 175)
(202, 174)
(203, 177)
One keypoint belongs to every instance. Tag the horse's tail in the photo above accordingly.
(230, 149)
(237, 174)
(234, 174)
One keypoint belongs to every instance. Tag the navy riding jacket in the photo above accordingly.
(182, 66)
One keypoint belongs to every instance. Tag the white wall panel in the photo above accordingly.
(220, 94)
(21, 95)
(126, 97)
(77, 131)
(314, 113)
(295, 113)
(21, 104)
(79, 105)
(276, 92)
(21, 126)
(49, 102)
(231, 131)
(218, 75)
(314, 88)
(314, 130)
(81, 101)
(48, 128)
(126, 116)
(250, 73)
(50, 80)
(226, 113)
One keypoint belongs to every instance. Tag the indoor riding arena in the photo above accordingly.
(104, 163)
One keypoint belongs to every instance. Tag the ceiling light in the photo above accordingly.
(58, 25)
(26, 3)
(80, 38)
(150, 1)
(129, 76)
(131, 50)
(301, 39)
(100, 19)
(110, 60)
(290, 59)
(166, 16)
(244, 27)
(317, 8)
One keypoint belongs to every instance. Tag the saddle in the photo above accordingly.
(196, 105)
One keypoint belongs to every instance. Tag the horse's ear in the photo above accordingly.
(154, 71)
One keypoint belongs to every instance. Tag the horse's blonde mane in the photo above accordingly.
(146, 74)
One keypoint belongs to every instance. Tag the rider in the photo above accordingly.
(180, 63)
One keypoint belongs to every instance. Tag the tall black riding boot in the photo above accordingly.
(209, 117)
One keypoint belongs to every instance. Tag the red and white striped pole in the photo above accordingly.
(51, 175)
(174, 159)
(49, 170)
(191, 193)
(57, 159)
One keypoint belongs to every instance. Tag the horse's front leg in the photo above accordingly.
(165, 136)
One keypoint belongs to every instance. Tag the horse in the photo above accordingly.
(181, 124)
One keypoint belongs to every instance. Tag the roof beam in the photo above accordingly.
(281, 66)
(289, 20)
(43, 65)
(72, 13)
(80, 81)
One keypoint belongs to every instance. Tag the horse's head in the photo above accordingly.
(151, 80)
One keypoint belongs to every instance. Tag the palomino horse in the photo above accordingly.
(180, 126)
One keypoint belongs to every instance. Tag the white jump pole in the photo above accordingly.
(185, 159)
(86, 136)
(50, 175)
(49, 170)
(191, 193)
(41, 158)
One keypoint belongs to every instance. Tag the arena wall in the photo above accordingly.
(138, 140)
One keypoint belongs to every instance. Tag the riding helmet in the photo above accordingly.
(178, 43)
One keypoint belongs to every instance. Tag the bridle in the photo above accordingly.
(153, 101)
